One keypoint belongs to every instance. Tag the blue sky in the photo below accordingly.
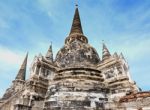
(30, 25)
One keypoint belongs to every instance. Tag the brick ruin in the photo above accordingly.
(77, 79)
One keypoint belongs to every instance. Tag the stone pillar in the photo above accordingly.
(30, 100)
(40, 71)
(35, 70)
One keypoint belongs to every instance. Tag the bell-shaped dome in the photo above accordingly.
(77, 54)
(76, 51)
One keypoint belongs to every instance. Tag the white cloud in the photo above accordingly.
(10, 61)
(9, 57)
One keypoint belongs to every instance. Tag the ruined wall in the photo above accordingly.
(9, 104)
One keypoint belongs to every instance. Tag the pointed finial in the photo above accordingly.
(22, 71)
(27, 55)
(76, 24)
(105, 54)
(51, 43)
(115, 55)
(50, 47)
(121, 55)
(49, 54)
(76, 3)
(103, 41)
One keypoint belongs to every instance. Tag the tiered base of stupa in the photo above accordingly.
(76, 89)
